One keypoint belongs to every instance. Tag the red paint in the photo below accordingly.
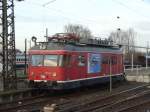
(72, 71)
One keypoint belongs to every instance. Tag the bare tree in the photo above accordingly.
(131, 37)
(125, 38)
(79, 30)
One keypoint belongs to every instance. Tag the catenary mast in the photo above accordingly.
(7, 36)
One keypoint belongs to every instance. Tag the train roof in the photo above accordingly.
(70, 42)
(75, 47)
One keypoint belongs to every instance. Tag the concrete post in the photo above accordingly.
(146, 62)
(132, 61)
(46, 35)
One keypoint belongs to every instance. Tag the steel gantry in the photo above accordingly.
(7, 35)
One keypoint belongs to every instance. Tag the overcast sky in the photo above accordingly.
(100, 16)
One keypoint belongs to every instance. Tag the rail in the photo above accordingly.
(97, 103)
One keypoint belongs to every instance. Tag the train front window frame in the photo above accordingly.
(48, 60)
(60, 60)
(51, 60)
(37, 60)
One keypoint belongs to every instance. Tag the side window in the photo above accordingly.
(81, 60)
(66, 60)
(105, 60)
(114, 60)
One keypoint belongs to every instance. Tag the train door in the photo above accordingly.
(81, 63)
(71, 67)
(76, 67)
(105, 64)
(110, 65)
(67, 65)
(118, 64)
(114, 64)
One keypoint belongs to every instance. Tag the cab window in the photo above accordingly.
(51, 60)
(81, 60)
(37, 60)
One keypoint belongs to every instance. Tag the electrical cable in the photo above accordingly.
(47, 3)
(131, 9)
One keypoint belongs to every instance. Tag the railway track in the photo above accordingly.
(10, 106)
(26, 103)
(141, 107)
(36, 103)
(18, 99)
(128, 103)
(102, 104)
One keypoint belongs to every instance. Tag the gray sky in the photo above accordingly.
(100, 16)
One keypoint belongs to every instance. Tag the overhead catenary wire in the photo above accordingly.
(131, 9)
(67, 15)
(63, 14)
(47, 3)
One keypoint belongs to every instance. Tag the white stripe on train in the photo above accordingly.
(80, 79)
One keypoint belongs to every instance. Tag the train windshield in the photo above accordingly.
(47, 60)
(50, 60)
(37, 60)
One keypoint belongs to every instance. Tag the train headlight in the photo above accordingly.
(43, 76)
(32, 74)
(54, 74)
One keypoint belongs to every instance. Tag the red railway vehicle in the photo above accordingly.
(67, 62)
